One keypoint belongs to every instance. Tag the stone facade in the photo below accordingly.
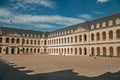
(100, 37)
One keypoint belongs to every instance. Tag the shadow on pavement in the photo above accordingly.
(8, 72)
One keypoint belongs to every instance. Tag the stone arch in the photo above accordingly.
(92, 51)
(118, 33)
(111, 51)
(111, 34)
(92, 37)
(98, 36)
(75, 51)
(80, 51)
(118, 51)
(104, 35)
(7, 40)
(104, 51)
(98, 51)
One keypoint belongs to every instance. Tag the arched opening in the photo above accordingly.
(7, 40)
(80, 51)
(98, 51)
(31, 42)
(23, 41)
(0, 50)
(27, 50)
(31, 50)
(80, 38)
(75, 39)
(85, 51)
(34, 50)
(118, 33)
(92, 51)
(98, 36)
(12, 40)
(7, 50)
(104, 35)
(65, 40)
(18, 40)
(85, 37)
(71, 39)
(75, 51)
(12, 50)
(34, 42)
(27, 42)
(68, 40)
(71, 50)
(104, 51)
(110, 34)
(0, 40)
(92, 37)
(65, 50)
(111, 51)
(118, 51)
(18, 51)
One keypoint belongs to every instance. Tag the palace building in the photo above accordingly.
(100, 37)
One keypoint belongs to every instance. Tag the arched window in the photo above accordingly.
(98, 51)
(85, 51)
(18, 40)
(118, 51)
(7, 40)
(92, 51)
(98, 36)
(118, 33)
(92, 37)
(23, 41)
(45, 42)
(27, 42)
(104, 35)
(71, 50)
(68, 40)
(62, 40)
(65, 50)
(75, 51)
(80, 38)
(110, 34)
(34, 50)
(65, 40)
(104, 51)
(27, 50)
(34, 42)
(75, 39)
(71, 39)
(31, 42)
(80, 51)
(0, 50)
(111, 51)
(39, 42)
(0, 40)
(12, 40)
(31, 50)
(85, 37)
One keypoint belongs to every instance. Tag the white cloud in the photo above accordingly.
(41, 21)
(85, 16)
(102, 1)
(4, 12)
(25, 4)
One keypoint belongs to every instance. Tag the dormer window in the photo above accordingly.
(35, 36)
(68, 31)
(71, 31)
(65, 32)
(117, 21)
(92, 26)
(62, 33)
(110, 23)
(97, 25)
(103, 24)
(59, 33)
(23, 34)
(31, 35)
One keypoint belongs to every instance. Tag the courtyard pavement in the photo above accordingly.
(45, 67)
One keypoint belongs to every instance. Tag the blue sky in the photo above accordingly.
(48, 15)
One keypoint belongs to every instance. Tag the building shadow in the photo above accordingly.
(8, 72)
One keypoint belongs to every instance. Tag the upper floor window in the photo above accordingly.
(92, 26)
(85, 37)
(0, 40)
(104, 35)
(12, 40)
(97, 25)
(7, 40)
(18, 40)
(117, 21)
(110, 34)
(118, 33)
(103, 24)
(110, 23)
(92, 36)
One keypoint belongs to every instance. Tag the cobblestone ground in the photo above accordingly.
(84, 66)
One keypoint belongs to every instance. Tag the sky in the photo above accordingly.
(49, 15)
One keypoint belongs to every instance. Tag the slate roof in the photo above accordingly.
(7, 30)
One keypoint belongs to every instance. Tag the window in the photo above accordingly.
(104, 51)
(85, 37)
(18, 40)
(117, 21)
(110, 34)
(76, 39)
(97, 25)
(103, 24)
(110, 23)
(104, 35)
(12, 40)
(80, 38)
(92, 37)
(98, 36)
(0, 40)
(98, 51)
(92, 26)
(118, 33)
(7, 40)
